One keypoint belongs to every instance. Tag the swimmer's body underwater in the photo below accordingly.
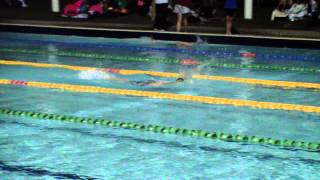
(147, 82)
(155, 83)
(100, 74)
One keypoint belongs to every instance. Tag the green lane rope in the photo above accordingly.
(94, 55)
(309, 146)
(266, 67)
(162, 60)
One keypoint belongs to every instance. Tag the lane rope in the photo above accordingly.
(170, 96)
(163, 60)
(227, 137)
(251, 81)
(214, 51)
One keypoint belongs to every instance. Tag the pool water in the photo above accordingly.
(44, 149)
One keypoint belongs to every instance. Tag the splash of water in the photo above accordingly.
(93, 74)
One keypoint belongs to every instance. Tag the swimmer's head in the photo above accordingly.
(179, 80)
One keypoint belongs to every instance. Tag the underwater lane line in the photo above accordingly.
(251, 81)
(227, 137)
(163, 60)
(169, 96)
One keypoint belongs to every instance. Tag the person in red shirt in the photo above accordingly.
(98, 9)
(182, 9)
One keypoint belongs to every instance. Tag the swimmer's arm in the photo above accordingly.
(163, 83)
(117, 79)
(186, 44)
(171, 83)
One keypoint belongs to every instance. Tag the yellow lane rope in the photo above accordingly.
(171, 96)
(283, 84)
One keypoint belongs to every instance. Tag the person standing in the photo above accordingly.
(182, 9)
(161, 14)
(230, 7)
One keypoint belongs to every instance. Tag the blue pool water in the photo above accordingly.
(42, 149)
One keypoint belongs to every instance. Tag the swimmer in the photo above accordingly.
(156, 83)
(97, 74)
(184, 44)
(190, 44)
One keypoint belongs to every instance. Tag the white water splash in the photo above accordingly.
(93, 74)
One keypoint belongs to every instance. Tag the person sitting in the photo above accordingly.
(281, 10)
(298, 10)
(143, 7)
(77, 10)
(98, 9)
(117, 8)
(16, 3)
(120, 6)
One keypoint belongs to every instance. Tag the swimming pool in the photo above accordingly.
(282, 85)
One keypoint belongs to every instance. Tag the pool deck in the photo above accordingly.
(260, 26)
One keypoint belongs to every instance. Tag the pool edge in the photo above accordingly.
(248, 40)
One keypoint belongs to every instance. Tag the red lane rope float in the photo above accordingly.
(188, 62)
(111, 70)
(19, 82)
(248, 55)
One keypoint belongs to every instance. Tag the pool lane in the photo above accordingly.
(309, 146)
(251, 81)
(159, 95)
(178, 61)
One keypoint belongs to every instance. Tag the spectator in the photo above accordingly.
(98, 9)
(77, 10)
(182, 9)
(230, 7)
(281, 10)
(20, 3)
(121, 6)
(117, 8)
(284, 5)
(313, 9)
(160, 22)
(298, 10)
(143, 7)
